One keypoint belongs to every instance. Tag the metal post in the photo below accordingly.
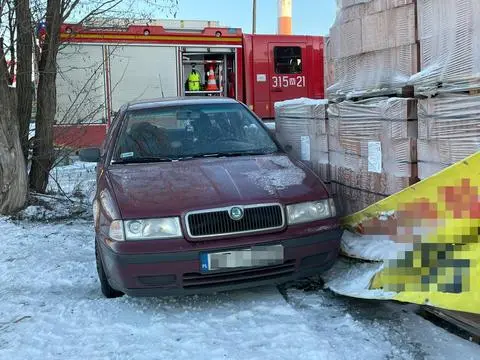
(254, 21)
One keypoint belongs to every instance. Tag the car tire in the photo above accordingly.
(107, 290)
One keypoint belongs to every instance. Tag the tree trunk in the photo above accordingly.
(13, 172)
(43, 151)
(24, 71)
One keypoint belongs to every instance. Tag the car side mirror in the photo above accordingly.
(90, 155)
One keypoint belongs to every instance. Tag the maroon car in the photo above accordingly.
(195, 195)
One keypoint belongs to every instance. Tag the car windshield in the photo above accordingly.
(190, 131)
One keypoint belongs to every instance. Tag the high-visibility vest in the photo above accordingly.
(194, 81)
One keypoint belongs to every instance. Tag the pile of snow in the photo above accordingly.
(372, 247)
(76, 180)
(54, 208)
(70, 193)
(339, 280)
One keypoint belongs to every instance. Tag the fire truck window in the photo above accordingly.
(288, 59)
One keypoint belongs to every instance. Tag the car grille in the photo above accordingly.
(218, 222)
(204, 281)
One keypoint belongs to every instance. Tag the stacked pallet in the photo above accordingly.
(449, 33)
(372, 137)
(371, 149)
(302, 124)
(374, 48)
(449, 122)
(448, 131)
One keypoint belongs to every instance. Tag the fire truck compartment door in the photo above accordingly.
(142, 72)
(287, 72)
(80, 81)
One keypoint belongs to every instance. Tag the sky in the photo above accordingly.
(310, 17)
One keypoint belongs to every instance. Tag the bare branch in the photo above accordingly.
(102, 9)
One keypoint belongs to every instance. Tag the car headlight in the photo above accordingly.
(166, 228)
(146, 229)
(310, 211)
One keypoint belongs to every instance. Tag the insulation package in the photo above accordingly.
(449, 34)
(448, 131)
(374, 48)
(372, 149)
(302, 124)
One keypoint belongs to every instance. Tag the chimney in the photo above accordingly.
(285, 17)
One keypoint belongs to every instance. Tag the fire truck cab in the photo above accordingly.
(100, 68)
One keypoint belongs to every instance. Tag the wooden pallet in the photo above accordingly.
(472, 89)
(402, 92)
(467, 322)
(474, 92)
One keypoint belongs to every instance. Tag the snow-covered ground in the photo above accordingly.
(51, 308)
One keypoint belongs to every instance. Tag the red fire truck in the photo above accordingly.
(101, 68)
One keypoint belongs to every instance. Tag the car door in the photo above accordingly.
(287, 72)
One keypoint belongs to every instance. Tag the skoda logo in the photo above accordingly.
(236, 213)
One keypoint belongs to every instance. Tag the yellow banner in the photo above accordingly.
(434, 227)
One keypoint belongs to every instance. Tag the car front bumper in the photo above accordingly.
(178, 273)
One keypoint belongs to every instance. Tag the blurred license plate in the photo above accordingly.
(257, 256)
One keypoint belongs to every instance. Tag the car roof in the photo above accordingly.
(178, 101)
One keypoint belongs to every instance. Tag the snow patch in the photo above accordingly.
(353, 279)
(46, 208)
(77, 179)
(71, 190)
(364, 329)
(385, 215)
(301, 101)
(371, 247)
(273, 179)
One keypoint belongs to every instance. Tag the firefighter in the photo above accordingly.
(194, 80)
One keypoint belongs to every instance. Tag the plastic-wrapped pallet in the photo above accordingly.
(372, 149)
(448, 131)
(449, 32)
(373, 44)
(301, 123)
(380, 72)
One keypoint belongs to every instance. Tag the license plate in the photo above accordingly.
(257, 256)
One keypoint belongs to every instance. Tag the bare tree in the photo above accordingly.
(43, 156)
(24, 70)
(58, 11)
(17, 20)
(13, 172)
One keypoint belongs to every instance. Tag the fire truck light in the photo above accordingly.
(146, 32)
(218, 34)
(221, 50)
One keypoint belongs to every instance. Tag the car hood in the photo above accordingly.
(170, 189)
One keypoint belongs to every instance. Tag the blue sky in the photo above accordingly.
(310, 17)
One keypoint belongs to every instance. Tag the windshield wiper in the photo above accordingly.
(227, 154)
(152, 159)
(139, 160)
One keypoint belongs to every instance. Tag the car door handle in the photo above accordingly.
(277, 90)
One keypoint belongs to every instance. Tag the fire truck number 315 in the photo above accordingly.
(286, 81)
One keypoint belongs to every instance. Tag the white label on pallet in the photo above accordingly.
(375, 157)
(305, 148)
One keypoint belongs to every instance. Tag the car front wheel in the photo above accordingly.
(107, 290)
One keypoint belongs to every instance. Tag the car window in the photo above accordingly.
(191, 130)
